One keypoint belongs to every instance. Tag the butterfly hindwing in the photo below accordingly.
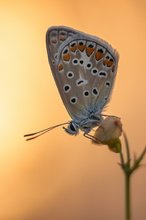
(84, 68)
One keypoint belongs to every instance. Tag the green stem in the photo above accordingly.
(127, 148)
(128, 196)
(128, 170)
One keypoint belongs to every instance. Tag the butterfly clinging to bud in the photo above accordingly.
(84, 69)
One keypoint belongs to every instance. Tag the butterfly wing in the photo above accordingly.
(84, 68)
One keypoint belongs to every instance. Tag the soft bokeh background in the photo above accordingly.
(58, 176)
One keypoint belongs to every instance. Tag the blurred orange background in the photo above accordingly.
(58, 176)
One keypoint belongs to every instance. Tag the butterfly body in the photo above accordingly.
(84, 125)
(84, 68)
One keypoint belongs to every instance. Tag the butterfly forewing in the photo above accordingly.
(84, 68)
(55, 37)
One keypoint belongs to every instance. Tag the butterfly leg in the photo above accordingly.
(109, 116)
(91, 137)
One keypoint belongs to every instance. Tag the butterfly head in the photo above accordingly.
(73, 128)
(84, 125)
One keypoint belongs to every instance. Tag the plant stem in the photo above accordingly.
(128, 170)
(127, 196)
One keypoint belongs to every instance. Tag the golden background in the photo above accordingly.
(58, 176)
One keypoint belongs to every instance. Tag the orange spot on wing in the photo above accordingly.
(99, 55)
(105, 62)
(89, 51)
(60, 67)
(108, 63)
(73, 48)
(66, 57)
(81, 47)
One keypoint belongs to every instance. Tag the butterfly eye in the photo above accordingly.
(72, 127)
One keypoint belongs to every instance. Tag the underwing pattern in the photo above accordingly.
(84, 68)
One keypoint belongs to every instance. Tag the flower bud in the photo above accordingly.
(108, 133)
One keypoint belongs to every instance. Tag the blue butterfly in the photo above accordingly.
(84, 69)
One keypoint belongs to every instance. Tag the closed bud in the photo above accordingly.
(108, 133)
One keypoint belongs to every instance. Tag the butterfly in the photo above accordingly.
(84, 69)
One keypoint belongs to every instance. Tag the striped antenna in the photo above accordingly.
(39, 133)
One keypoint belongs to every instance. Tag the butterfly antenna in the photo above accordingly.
(39, 133)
